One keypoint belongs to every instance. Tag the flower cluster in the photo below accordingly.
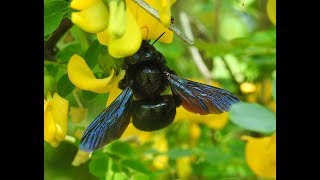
(121, 25)
(55, 119)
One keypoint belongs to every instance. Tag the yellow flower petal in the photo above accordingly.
(45, 104)
(78, 114)
(60, 115)
(93, 19)
(261, 155)
(129, 43)
(163, 8)
(184, 168)
(115, 91)
(215, 121)
(271, 10)
(195, 133)
(142, 136)
(80, 158)
(161, 145)
(150, 27)
(247, 87)
(82, 4)
(82, 77)
(49, 125)
(117, 22)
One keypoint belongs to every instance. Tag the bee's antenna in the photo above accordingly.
(158, 38)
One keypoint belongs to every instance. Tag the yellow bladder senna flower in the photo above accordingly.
(93, 19)
(125, 45)
(55, 119)
(271, 10)
(82, 77)
(261, 155)
(262, 92)
(121, 26)
(78, 114)
(80, 158)
(161, 145)
(184, 168)
(150, 27)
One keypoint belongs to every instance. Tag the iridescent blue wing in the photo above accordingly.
(201, 98)
(110, 124)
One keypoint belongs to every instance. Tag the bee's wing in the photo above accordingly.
(201, 98)
(110, 124)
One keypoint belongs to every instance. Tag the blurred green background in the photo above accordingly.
(237, 42)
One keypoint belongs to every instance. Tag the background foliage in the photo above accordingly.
(237, 42)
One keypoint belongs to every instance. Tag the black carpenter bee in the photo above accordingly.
(147, 76)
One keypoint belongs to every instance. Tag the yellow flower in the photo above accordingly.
(261, 155)
(82, 77)
(184, 168)
(261, 92)
(122, 27)
(161, 145)
(271, 10)
(150, 27)
(55, 119)
(80, 158)
(78, 114)
(93, 18)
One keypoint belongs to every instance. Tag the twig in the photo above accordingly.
(232, 75)
(77, 98)
(70, 139)
(155, 14)
(194, 50)
(50, 45)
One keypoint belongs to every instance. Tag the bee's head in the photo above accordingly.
(146, 52)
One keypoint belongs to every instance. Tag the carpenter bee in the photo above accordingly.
(147, 76)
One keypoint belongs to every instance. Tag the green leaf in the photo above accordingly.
(140, 176)
(253, 117)
(55, 6)
(121, 149)
(92, 53)
(274, 89)
(64, 86)
(81, 37)
(52, 22)
(136, 165)
(65, 54)
(177, 153)
(47, 37)
(99, 166)
(88, 95)
(53, 14)
(120, 176)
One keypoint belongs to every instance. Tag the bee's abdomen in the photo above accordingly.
(153, 115)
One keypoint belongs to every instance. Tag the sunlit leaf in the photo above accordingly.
(53, 14)
(253, 117)
(99, 166)
(65, 54)
(121, 149)
(136, 165)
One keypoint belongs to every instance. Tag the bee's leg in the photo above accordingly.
(123, 83)
(177, 100)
